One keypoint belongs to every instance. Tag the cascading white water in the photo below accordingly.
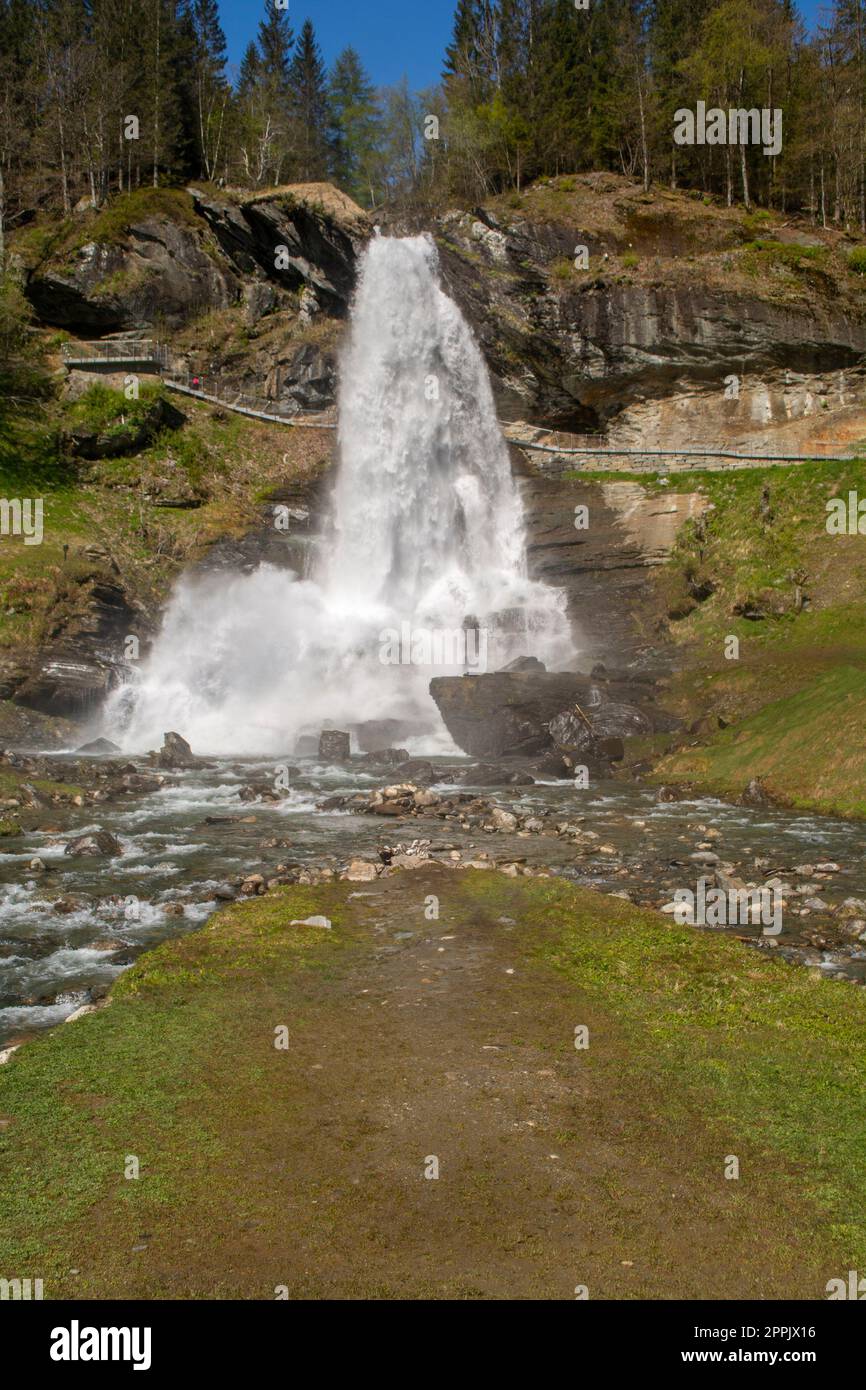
(425, 536)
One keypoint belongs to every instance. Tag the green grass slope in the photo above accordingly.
(788, 707)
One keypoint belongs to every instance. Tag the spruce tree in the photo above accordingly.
(355, 126)
(307, 81)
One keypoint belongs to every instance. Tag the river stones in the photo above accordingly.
(360, 871)
(97, 842)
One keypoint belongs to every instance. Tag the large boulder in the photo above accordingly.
(334, 745)
(527, 713)
(176, 754)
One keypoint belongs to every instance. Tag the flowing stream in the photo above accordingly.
(67, 932)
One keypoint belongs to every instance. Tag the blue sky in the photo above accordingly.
(393, 37)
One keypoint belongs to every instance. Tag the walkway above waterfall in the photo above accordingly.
(562, 451)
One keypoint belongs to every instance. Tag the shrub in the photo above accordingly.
(857, 260)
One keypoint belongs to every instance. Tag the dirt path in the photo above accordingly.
(416, 1040)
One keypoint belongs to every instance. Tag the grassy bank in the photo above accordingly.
(785, 703)
(303, 1168)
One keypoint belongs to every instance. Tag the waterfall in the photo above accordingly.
(420, 569)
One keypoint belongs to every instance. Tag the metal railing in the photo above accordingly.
(129, 351)
(260, 408)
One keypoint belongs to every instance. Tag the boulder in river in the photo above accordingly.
(98, 745)
(334, 745)
(96, 842)
(510, 713)
(756, 794)
(176, 753)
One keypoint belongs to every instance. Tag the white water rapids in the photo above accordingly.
(424, 535)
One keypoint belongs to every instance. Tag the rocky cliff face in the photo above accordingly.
(82, 655)
(604, 543)
(202, 252)
(672, 303)
(162, 272)
(677, 302)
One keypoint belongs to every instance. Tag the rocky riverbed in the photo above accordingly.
(103, 856)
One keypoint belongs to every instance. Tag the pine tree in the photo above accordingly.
(307, 79)
(355, 126)
(250, 70)
(275, 42)
(472, 58)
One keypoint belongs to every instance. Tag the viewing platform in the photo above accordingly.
(143, 353)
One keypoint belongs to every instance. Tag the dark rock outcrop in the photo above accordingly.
(320, 230)
(161, 272)
(307, 380)
(125, 438)
(510, 714)
(82, 655)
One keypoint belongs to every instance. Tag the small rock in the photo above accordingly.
(97, 842)
(80, 1013)
(311, 922)
(361, 871)
(503, 820)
